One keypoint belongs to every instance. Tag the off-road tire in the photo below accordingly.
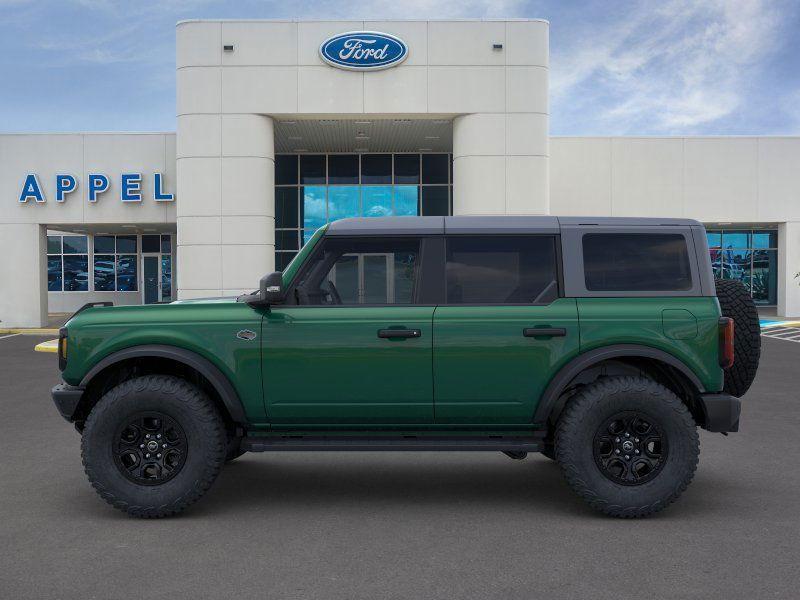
(586, 413)
(186, 405)
(736, 303)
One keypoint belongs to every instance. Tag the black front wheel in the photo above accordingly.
(627, 445)
(153, 445)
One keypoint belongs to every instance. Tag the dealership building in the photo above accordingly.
(283, 126)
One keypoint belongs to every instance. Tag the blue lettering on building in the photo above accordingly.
(363, 50)
(31, 190)
(130, 187)
(65, 184)
(98, 183)
(158, 195)
(130, 190)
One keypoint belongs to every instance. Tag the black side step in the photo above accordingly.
(392, 443)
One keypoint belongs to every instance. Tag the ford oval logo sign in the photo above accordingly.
(363, 50)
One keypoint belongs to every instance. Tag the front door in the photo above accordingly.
(353, 344)
(503, 330)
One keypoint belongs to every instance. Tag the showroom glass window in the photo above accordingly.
(115, 263)
(749, 256)
(67, 263)
(314, 189)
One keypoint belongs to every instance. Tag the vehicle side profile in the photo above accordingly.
(603, 343)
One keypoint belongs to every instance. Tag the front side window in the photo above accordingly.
(353, 272)
(636, 262)
(501, 270)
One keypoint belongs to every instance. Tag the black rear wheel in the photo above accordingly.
(153, 445)
(735, 302)
(627, 445)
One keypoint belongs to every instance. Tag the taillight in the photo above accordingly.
(725, 342)
(62, 348)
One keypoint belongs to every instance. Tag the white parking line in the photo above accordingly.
(2, 337)
(789, 334)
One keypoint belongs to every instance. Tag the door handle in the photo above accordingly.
(399, 333)
(544, 332)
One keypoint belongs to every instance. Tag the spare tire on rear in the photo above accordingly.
(736, 303)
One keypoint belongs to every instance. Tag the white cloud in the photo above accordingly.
(670, 69)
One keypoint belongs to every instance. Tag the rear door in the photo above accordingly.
(357, 347)
(503, 330)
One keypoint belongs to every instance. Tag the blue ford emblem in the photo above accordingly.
(363, 50)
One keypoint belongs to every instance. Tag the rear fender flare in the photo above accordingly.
(572, 369)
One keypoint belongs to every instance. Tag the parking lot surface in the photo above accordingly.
(399, 525)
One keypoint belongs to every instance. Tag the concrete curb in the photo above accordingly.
(48, 346)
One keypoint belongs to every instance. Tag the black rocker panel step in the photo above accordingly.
(392, 443)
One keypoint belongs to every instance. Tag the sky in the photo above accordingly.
(671, 67)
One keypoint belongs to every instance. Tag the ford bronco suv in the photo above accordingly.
(602, 343)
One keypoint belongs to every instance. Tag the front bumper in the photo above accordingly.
(67, 398)
(721, 412)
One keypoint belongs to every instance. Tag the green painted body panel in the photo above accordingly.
(326, 364)
(207, 327)
(608, 321)
(486, 371)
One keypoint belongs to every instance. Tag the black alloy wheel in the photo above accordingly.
(630, 448)
(150, 448)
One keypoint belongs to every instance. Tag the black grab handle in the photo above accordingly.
(544, 331)
(399, 333)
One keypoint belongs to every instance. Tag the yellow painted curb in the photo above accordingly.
(48, 346)
(30, 331)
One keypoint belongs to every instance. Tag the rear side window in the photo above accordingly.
(644, 262)
(501, 270)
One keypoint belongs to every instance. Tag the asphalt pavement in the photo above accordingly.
(399, 525)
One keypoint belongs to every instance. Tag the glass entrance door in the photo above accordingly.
(151, 288)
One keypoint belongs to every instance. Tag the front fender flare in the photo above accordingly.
(583, 361)
(206, 368)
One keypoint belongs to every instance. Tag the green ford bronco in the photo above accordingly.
(602, 343)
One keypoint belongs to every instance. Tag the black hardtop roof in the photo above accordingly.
(488, 224)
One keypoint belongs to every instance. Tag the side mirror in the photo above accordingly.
(270, 291)
(270, 288)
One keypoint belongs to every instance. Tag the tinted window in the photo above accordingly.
(434, 168)
(312, 168)
(501, 270)
(376, 168)
(434, 201)
(636, 262)
(285, 169)
(406, 168)
(361, 272)
(343, 168)
(104, 243)
(75, 244)
(151, 243)
(126, 243)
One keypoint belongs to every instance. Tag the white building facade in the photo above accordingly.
(282, 128)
